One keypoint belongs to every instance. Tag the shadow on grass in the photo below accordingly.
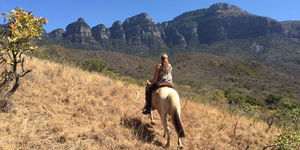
(141, 130)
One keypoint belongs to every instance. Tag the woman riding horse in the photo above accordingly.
(162, 77)
(165, 99)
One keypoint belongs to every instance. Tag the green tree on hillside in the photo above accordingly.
(16, 39)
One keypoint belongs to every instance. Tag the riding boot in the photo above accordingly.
(147, 107)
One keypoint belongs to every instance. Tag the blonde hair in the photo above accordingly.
(164, 62)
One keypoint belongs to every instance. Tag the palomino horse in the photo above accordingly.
(166, 101)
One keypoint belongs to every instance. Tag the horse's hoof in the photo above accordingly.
(180, 147)
(167, 145)
(152, 123)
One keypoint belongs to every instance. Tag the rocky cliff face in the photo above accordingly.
(139, 34)
(292, 28)
(117, 31)
(143, 34)
(100, 32)
(57, 33)
(79, 32)
(220, 22)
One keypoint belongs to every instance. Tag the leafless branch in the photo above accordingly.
(271, 119)
(235, 126)
(25, 72)
(269, 146)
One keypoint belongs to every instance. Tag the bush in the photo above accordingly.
(288, 118)
(230, 79)
(244, 102)
(127, 80)
(243, 70)
(94, 65)
(288, 140)
(273, 99)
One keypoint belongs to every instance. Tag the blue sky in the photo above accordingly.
(62, 12)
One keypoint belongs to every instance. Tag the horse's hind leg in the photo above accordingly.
(165, 134)
(166, 128)
(151, 119)
(180, 146)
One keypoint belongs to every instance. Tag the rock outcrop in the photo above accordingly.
(142, 33)
(57, 33)
(79, 32)
(292, 28)
(220, 22)
(117, 31)
(100, 32)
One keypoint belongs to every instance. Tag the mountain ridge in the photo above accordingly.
(145, 37)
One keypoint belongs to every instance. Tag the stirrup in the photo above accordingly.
(146, 112)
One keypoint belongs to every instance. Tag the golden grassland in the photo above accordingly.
(62, 107)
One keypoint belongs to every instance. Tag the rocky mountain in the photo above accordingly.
(79, 32)
(217, 23)
(140, 35)
(57, 33)
(222, 29)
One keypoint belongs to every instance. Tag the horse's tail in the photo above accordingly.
(178, 125)
(175, 113)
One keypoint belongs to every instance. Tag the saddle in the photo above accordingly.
(159, 86)
(162, 85)
(165, 85)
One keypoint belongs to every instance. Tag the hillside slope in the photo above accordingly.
(195, 69)
(60, 107)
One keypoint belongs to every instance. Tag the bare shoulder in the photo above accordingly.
(157, 66)
(170, 66)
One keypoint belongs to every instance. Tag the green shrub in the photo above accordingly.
(230, 79)
(288, 140)
(289, 104)
(244, 102)
(94, 65)
(288, 118)
(243, 70)
(111, 74)
(273, 99)
(127, 80)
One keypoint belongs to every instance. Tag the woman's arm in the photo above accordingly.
(155, 78)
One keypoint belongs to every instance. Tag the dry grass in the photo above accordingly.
(60, 107)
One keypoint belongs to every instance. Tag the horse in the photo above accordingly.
(166, 101)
